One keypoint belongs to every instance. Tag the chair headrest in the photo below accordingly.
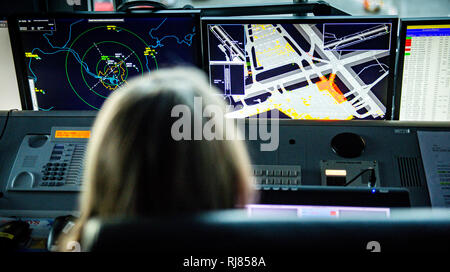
(223, 231)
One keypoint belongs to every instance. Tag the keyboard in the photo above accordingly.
(277, 177)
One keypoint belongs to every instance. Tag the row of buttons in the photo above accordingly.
(276, 173)
(52, 178)
(277, 181)
(55, 169)
(52, 183)
(54, 172)
(56, 164)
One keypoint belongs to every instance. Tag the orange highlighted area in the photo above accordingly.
(328, 85)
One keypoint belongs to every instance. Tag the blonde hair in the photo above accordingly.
(135, 168)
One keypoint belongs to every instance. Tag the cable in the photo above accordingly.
(1, 136)
(6, 123)
(372, 178)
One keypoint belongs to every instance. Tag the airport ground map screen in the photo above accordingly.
(76, 63)
(335, 70)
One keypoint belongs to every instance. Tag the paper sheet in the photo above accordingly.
(435, 150)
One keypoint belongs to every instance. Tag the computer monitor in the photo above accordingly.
(74, 62)
(9, 92)
(303, 67)
(316, 212)
(423, 77)
(310, 195)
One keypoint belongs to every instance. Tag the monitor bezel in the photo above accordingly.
(18, 51)
(17, 70)
(404, 23)
(311, 20)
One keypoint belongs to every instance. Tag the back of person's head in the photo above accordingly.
(135, 167)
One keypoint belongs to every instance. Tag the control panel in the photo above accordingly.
(50, 162)
(42, 156)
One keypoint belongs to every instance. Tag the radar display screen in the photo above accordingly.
(76, 63)
(337, 70)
